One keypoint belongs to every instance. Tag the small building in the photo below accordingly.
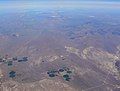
(117, 64)
(66, 76)
(61, 70)
(10, 63)
(1, 59)
(51, 75)
(67, 79)
(12, 74)
(23, 59)
(69, 72)
(14, 58)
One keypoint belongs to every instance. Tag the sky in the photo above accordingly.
(25, 4)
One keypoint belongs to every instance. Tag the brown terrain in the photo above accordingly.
(85, 44)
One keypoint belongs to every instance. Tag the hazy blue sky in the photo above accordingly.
(7, 4)
(63, 0)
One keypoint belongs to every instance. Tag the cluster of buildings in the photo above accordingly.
(10, 60)
(64, 72)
